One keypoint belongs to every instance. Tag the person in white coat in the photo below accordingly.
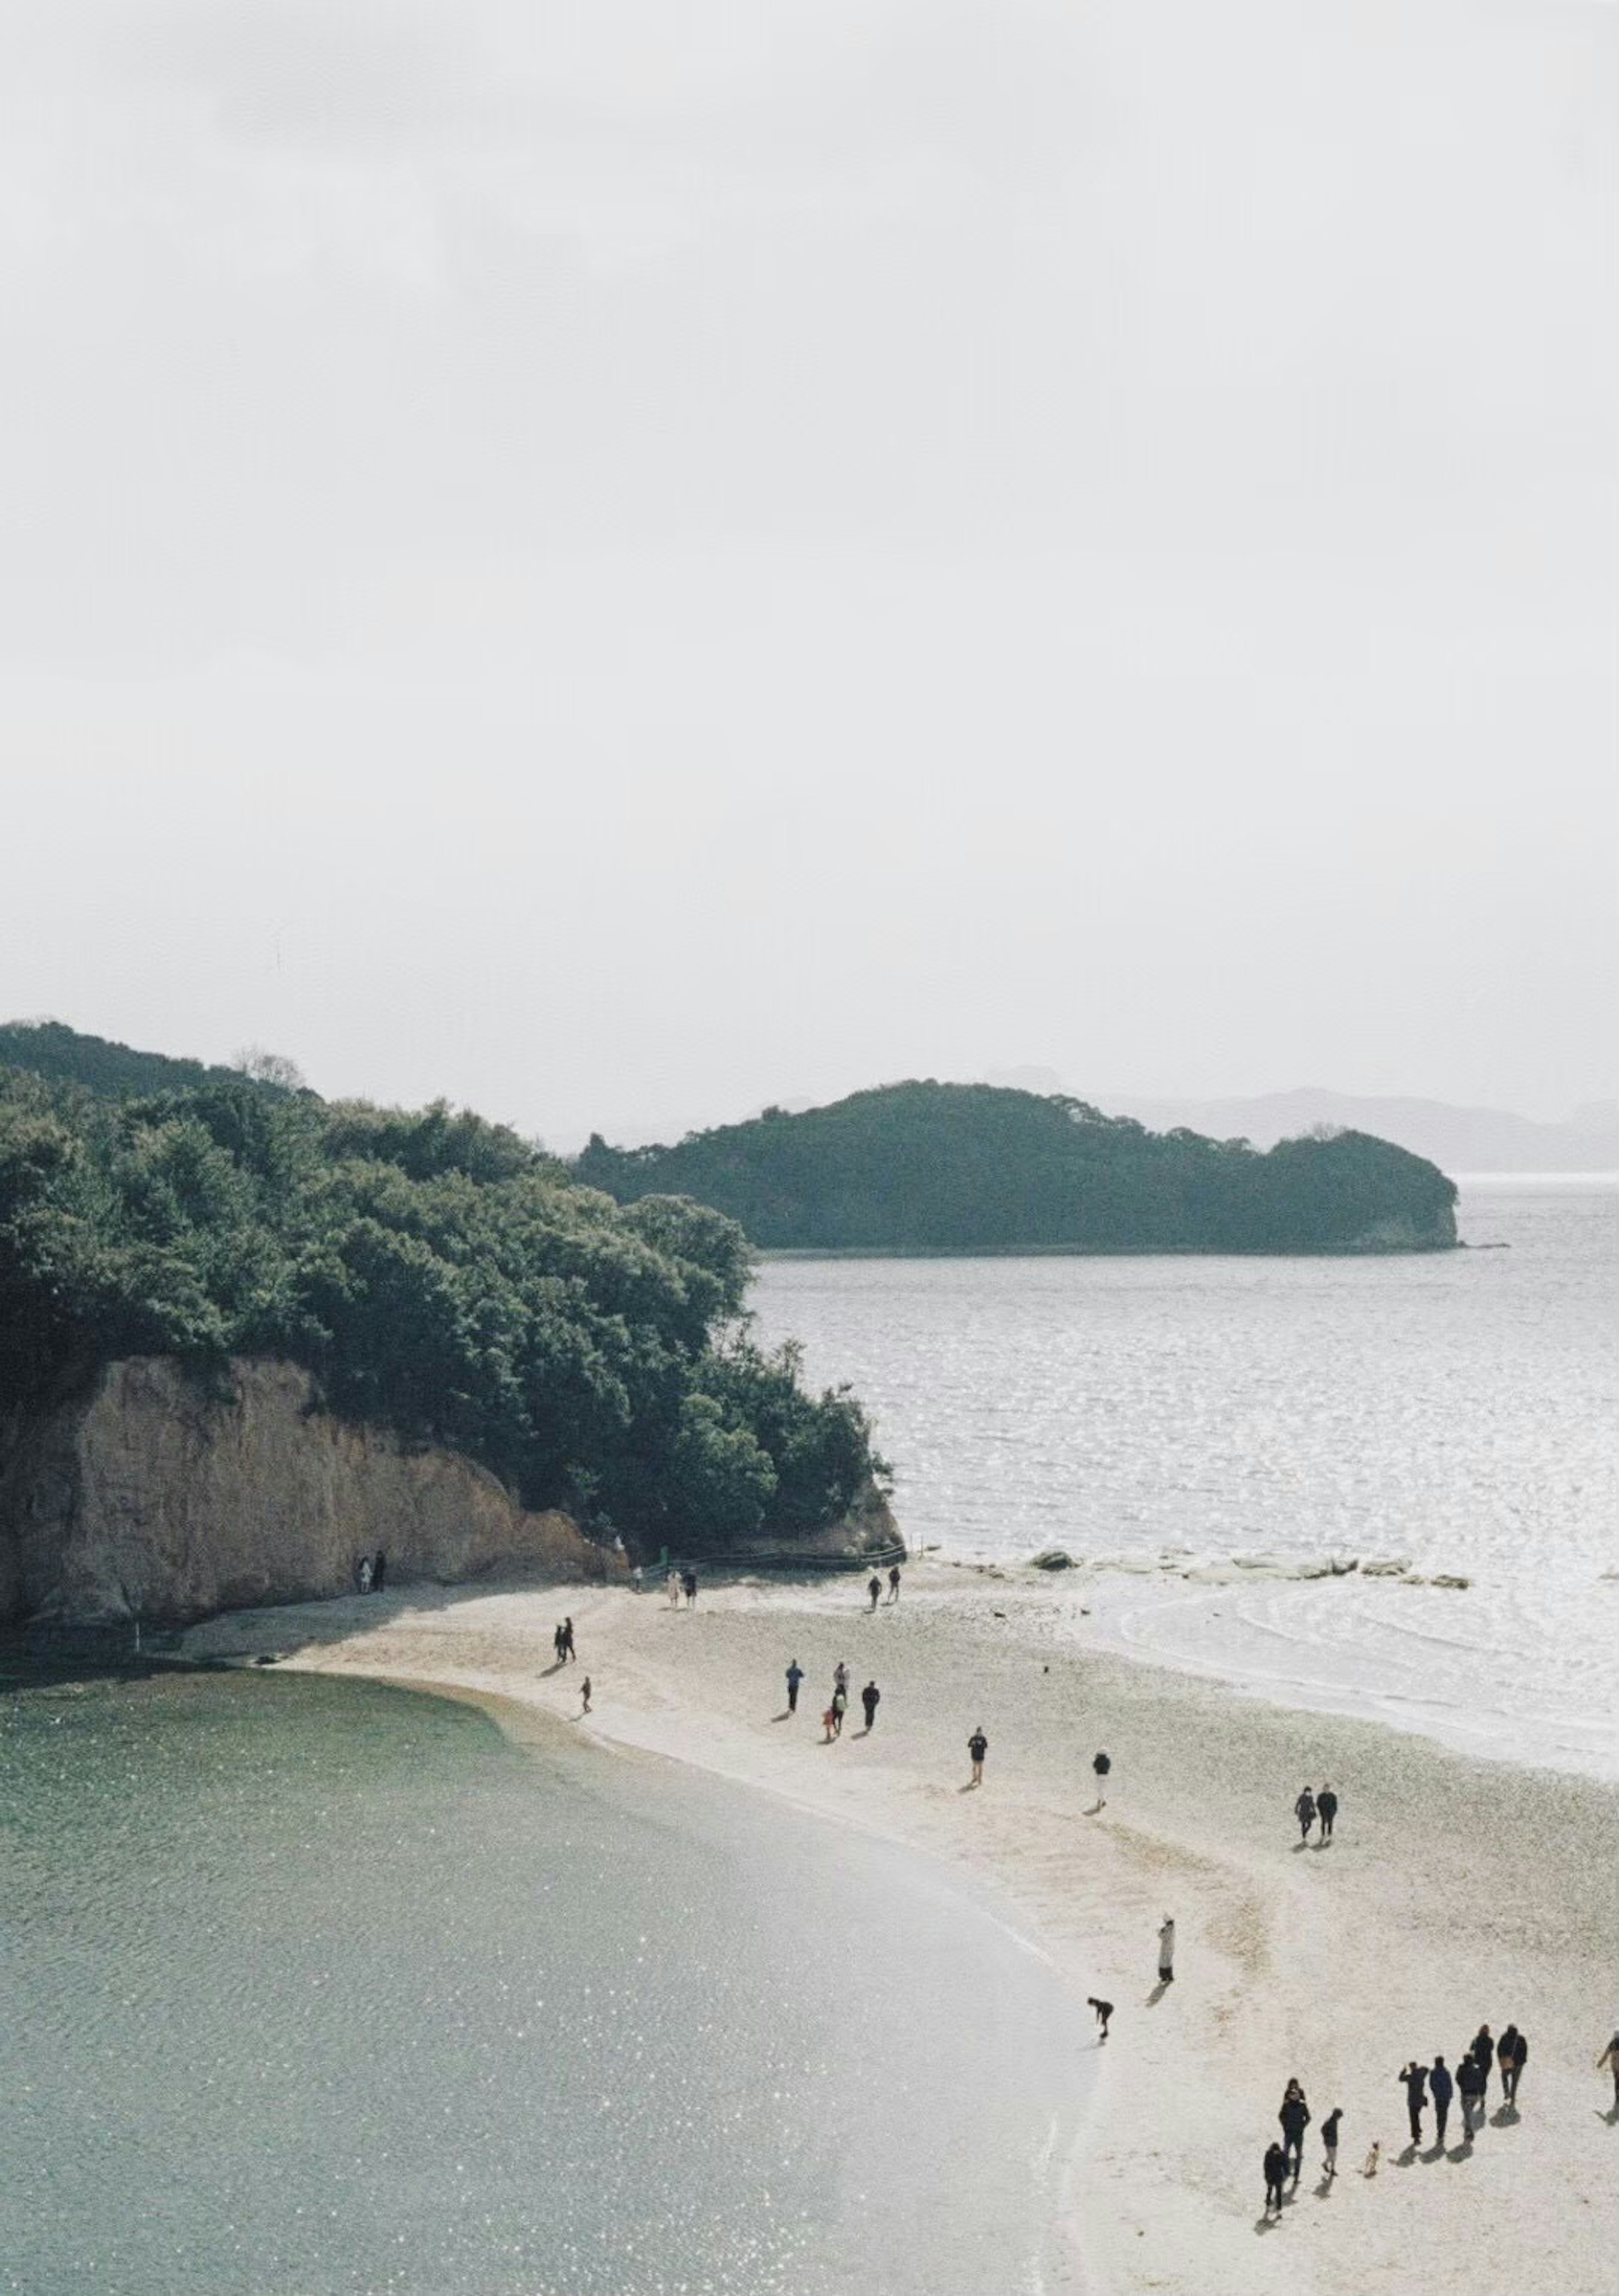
(1167, 1951)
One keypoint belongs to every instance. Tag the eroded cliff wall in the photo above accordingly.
(155, 1496)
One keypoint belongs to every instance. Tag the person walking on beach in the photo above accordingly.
(585, 1695)
(1512, 2050)
(1276, 2177)
(1326, 1810)
(840, 1678)
(567, 1640)
(1470, 2089)
(673, 1584)
(869, 1698)
(1294, 2118)
(362, 1576)
(688, 1589)
(1441, 2088)
(1304, 1809)
(840, 1707)
(556, 1641)
(1610, 2058)
(1415, 2080)
(1101, 1765)
(874, 1587)
(1483, 2057)
(829, 1723)
(379, 1572)
(794, 1676)
(1167, 1951)
(1329, 2141)
(1104, 2010)
(894, 1583)
(977, 1747)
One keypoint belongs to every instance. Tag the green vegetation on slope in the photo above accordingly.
(976, 1168)
(50, 1048)
(437, 1275)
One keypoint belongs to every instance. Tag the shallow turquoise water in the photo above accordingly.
(317, 1985)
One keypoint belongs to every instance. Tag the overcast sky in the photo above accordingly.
(620, 562)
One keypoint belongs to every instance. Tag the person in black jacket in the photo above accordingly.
(1414, 2077)
(1441, 2087)
(1326, 1809)
(1512, 2053)
(1304, 1809)
(1294, 2118)
(1470, 2088)
(1330, 2141)
(869, 1698)
(1276, 2172)
(1483, 2057)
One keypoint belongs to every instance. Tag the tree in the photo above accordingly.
(270, 1068)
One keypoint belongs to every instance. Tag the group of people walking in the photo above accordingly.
(682, 1585)
(874, 1587)
(1437, 2084)
(562, 1642)
(831, 1720)
(371, 1573)
(1285, 2157)
(1312, 1809)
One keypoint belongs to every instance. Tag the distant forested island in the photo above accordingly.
(437, 1275)
(929, 1167)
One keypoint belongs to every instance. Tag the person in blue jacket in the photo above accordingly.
(1441, 2087)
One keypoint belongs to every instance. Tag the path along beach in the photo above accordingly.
(1456, 1891)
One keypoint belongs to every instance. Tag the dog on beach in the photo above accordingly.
(1370, 2169)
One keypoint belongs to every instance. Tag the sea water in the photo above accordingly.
(1207, 1434)
(316, 1985)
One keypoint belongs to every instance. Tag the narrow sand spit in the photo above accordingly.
(1456, 1891)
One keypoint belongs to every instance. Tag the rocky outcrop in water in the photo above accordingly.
(155, 1495)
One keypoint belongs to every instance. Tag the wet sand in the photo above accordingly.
(1456, 1891)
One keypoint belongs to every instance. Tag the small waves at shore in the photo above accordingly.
(1220, 1441)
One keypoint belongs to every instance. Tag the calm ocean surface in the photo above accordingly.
(1157, 1416)
(321, 1986)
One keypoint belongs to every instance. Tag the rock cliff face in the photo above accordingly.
(155, 1497)
(868, 1531)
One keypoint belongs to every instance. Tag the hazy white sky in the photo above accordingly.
(622, 560)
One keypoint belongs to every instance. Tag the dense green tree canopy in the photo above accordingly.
(437, 1275)
(944, 1166)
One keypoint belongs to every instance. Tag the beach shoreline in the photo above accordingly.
(1457, 1889)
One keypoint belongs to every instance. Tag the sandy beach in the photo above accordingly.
(1456, 1891)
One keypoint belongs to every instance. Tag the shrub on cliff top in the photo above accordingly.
(437, 1275)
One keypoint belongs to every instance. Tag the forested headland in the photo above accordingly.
(437, 1275)
(927, 1166)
